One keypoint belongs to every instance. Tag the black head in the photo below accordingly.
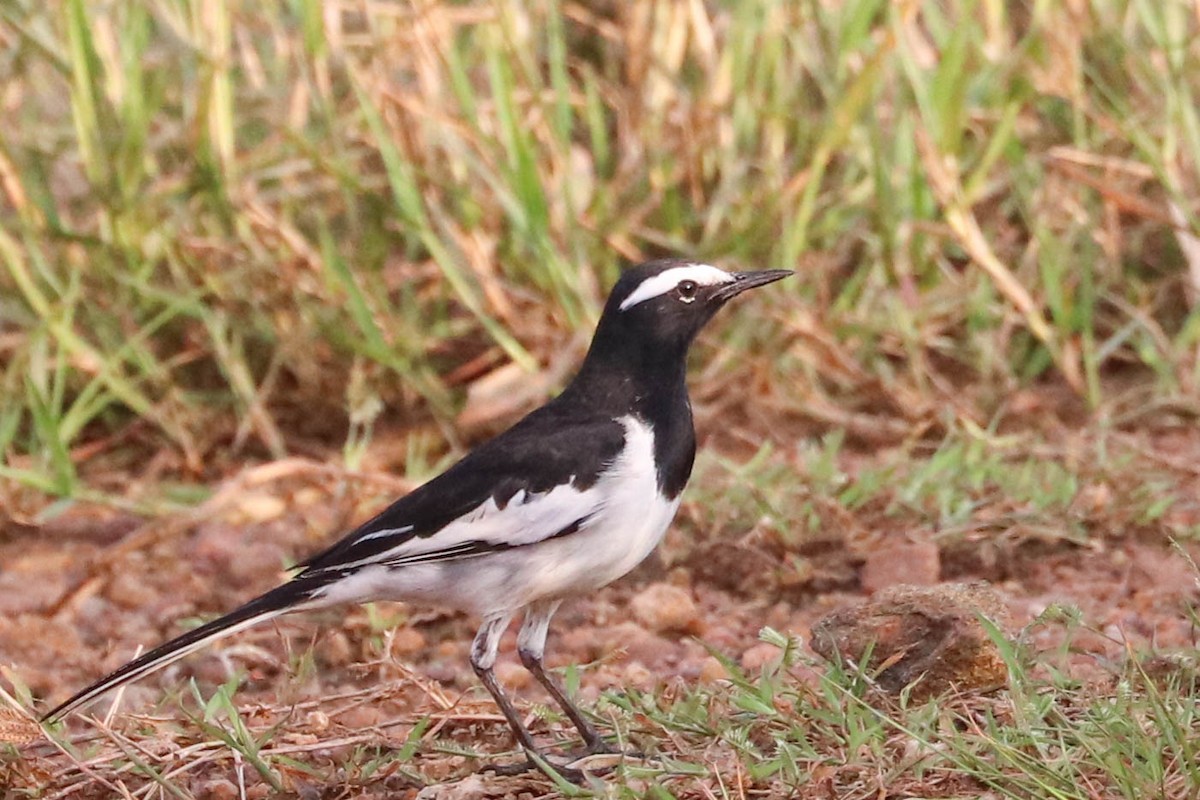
(638, 357)
(664, 304)
(653, 314)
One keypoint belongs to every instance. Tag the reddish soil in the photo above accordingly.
(80, 594)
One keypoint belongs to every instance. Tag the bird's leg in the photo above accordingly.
(483, 659)
(531, 645)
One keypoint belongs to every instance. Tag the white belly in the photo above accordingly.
(630, 522)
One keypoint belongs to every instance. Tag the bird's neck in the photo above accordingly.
(621, 376)
(652, 385)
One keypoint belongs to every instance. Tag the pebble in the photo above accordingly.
(636, 642)
(335, 649)
(471, 787)
(216, 789)
(662, 607)
(317, 721)
(759, 656)
(512, 676)
(638, 676)
(927, 638)
(712, 670)
(407, 641)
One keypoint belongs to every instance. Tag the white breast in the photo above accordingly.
(633, 518)
(630, 521)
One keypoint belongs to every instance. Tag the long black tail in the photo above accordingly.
(291, 596)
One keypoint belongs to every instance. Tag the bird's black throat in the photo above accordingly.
(623, 375)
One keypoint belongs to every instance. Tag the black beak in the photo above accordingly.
(748, 280)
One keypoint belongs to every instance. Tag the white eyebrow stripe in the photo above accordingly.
(668, 279)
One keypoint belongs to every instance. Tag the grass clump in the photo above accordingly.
(804, 729)
(218, 217)
(794, 728)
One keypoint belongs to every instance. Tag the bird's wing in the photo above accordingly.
(531, 483)
(534, 482)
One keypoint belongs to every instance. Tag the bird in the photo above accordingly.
(570, 498)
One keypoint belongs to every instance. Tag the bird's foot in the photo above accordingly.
(601, 747)
(592, 757)
(548, 768)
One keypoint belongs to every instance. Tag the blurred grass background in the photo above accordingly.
(234, 231)
(234, 228)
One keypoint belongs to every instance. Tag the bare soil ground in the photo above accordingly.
(81, 593)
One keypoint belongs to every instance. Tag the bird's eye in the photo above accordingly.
(687, 291)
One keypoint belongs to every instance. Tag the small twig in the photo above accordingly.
(120, 695)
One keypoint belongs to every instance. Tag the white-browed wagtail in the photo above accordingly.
(569, 499)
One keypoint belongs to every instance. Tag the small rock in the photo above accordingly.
(217, 789)
(929, 637)
(637, 643)
(471, 787)
(638, 676)
(334, 649)
(759, 655)
(662, 607)
(901, 563)
(512, 676)
(712, 670)
(317, 721)
(446, 672)
(406, 641)
(361, 718)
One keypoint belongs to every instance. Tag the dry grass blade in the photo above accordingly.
(969, 234)
(18, 726)
(1189, 243)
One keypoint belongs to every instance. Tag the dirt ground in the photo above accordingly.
(80, 594)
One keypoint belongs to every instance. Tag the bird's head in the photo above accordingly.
(666, 303)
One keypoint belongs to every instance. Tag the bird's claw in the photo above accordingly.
(571, 774)
(601, 747)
